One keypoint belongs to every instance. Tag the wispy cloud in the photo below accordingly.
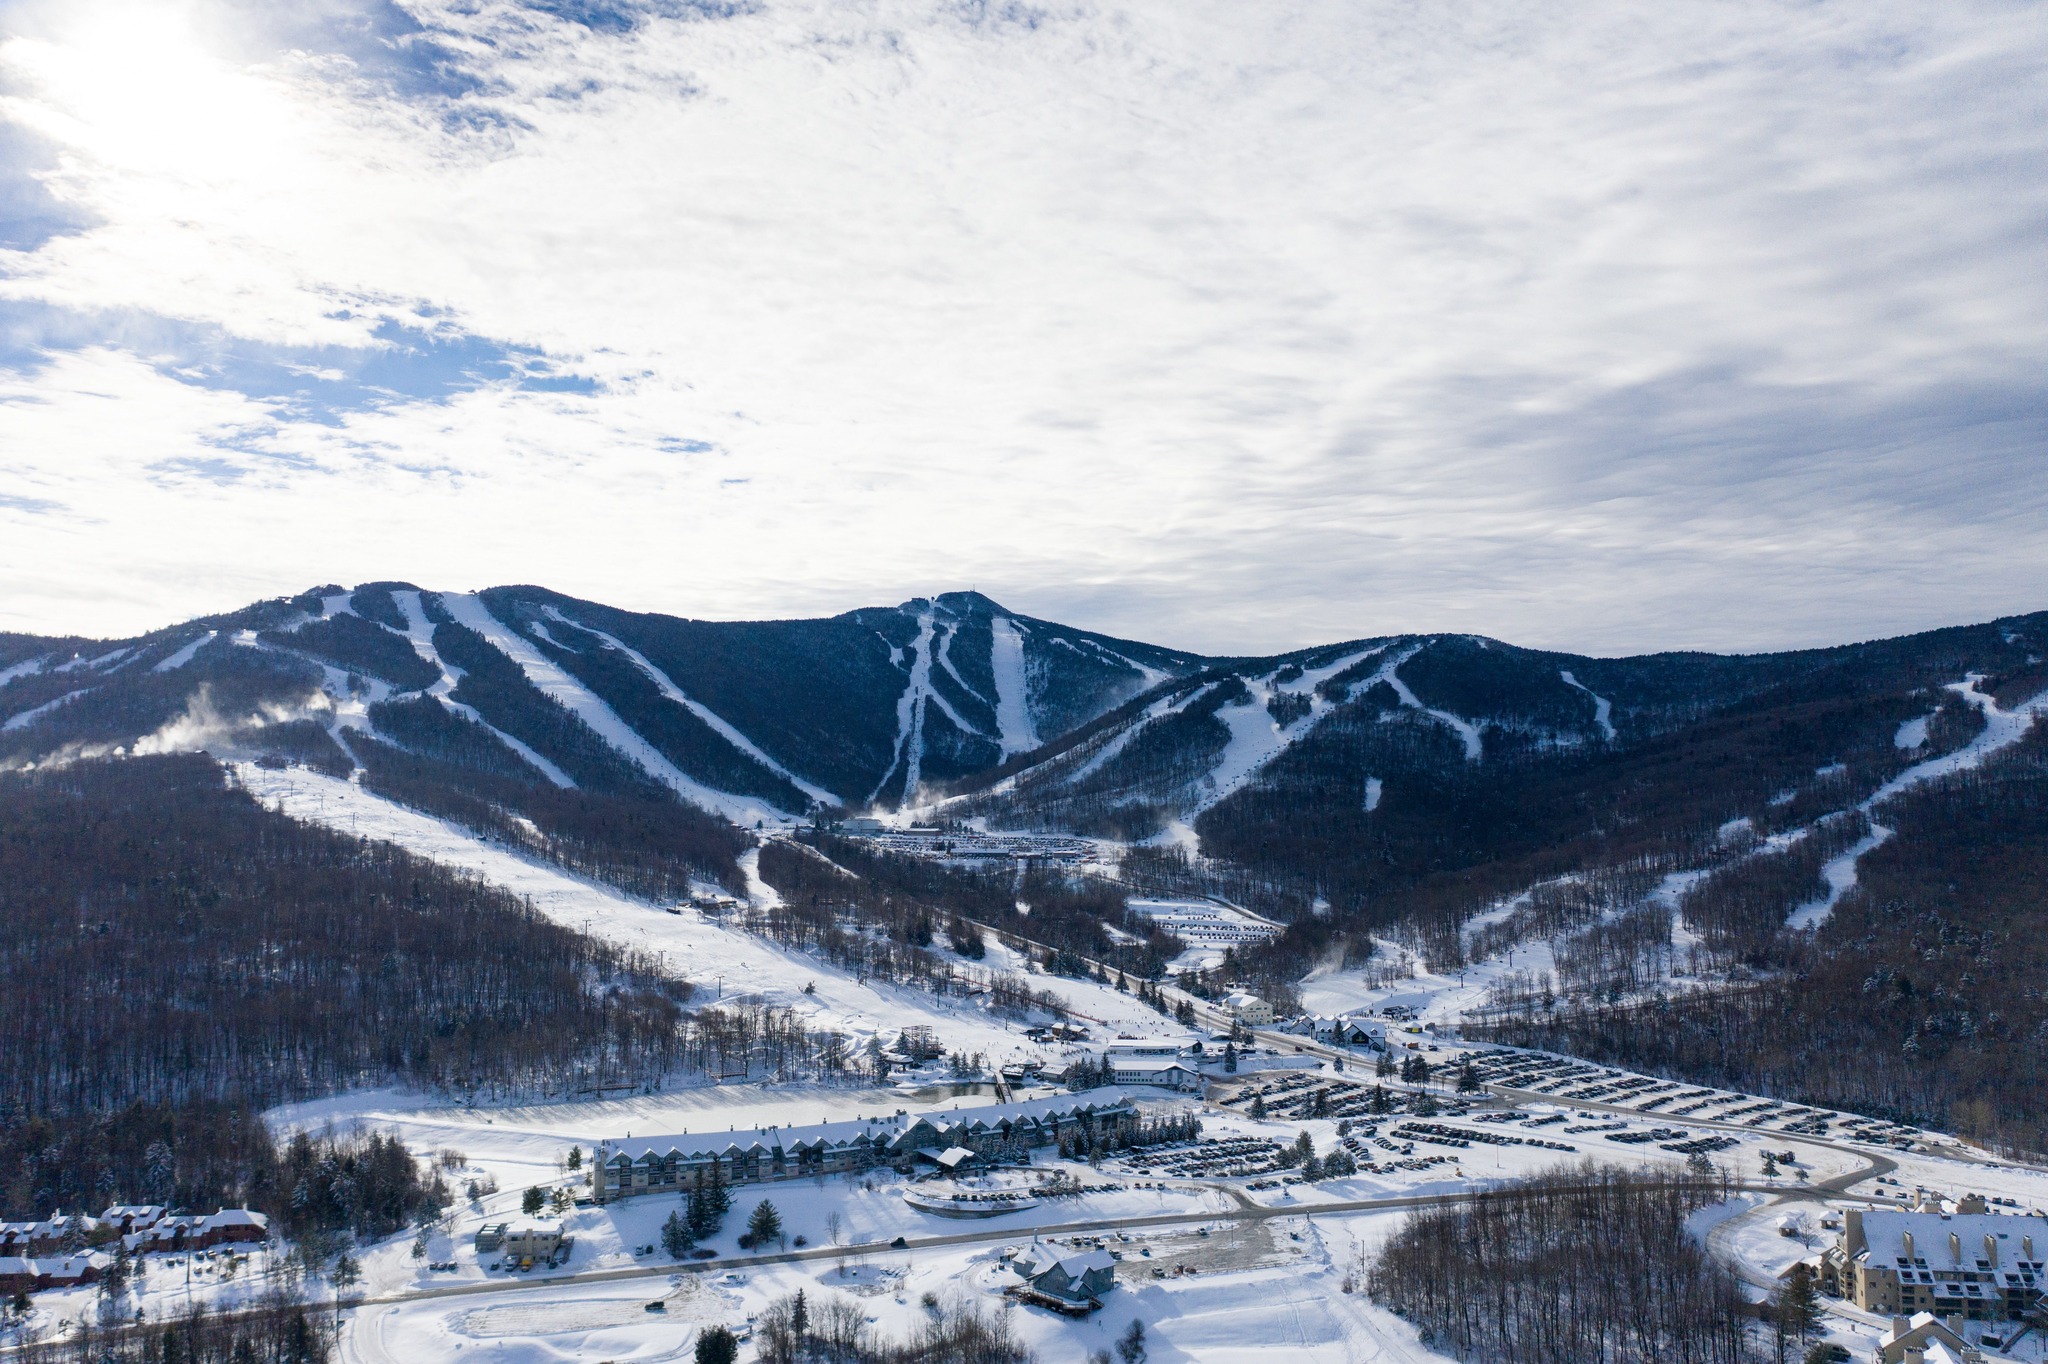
(1234, 326)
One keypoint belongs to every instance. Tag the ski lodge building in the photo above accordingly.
(1973, 1264)
(671, 1164)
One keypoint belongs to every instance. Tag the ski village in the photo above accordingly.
(991, 1064)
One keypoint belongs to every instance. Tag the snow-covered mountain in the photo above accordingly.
(752, 721)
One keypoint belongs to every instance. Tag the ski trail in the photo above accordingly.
(184, 655)
(1603, 709)
(586, 705)
(703, 712)
(1256, 738)
(760, 894)
(1013, 701)
(1107, 753)
(35, 713)
(91, 664)
(1912, 734)
(340, 604)
(823, 995)
(2002, 729)
(1391, 675)
(910, 715)
(1374, 788)
(946, 662)
(420, 631)
(1153, 676)
(26, 668)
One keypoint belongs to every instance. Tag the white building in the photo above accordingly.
(1163, 1073)
(1248, 1008)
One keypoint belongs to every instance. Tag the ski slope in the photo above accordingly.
(1603, 709)
(723, 962)
(1013, 698)
(717, 722)
(185, 654)
(910, 716)
(35, 713)
(554, 682)
(2002, 729)
(1256, 738)
(420, 631)
(1466, 730)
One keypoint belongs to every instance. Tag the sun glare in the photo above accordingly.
(132, 87)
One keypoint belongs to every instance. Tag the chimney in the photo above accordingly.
(1852, 1233)
(1908, 1236)
(1991, 1249)
(1955, 1247)
(2027, 1244)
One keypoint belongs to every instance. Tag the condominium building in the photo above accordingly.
(1977, 1265)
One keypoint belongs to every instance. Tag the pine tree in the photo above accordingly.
(717, 1345)
(676, 1237)
(765, 1224)
(1797, 1303)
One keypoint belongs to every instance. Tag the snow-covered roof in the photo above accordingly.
(1884, 1233)
(764, 1139)
(1039, 1258)
(886, 1131)
(237, 1217)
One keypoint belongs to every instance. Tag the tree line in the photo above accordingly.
(174, 959)
(1584, 1265)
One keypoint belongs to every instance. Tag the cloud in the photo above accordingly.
(1235, 327)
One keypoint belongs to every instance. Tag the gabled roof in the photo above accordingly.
(894, 1130)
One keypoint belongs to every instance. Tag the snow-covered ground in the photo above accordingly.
(1013, 697)
(722, 961)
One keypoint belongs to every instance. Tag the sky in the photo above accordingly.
(1234, 327)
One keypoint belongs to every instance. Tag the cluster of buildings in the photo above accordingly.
(1343, 1032)
(968, 845)
(1971, 1263)
(677, 1163)
(62, 1252)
